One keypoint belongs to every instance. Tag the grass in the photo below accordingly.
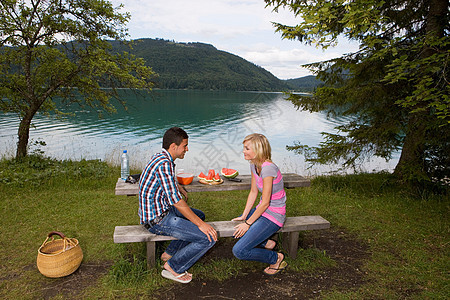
(407, 233)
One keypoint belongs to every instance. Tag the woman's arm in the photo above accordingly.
(242, 228)
(250, 200)
(265, 201)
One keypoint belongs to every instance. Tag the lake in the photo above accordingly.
(216, 122)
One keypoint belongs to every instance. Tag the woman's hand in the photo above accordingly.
(241, 229)
(240, 218)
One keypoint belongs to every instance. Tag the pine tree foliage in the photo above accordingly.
(395, 87)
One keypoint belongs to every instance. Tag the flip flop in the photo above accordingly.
(280, 268)
(169, 275)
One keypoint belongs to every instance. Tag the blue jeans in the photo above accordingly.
(192, 243)
(251, 245)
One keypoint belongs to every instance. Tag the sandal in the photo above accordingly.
(281, 267)
(167, 274)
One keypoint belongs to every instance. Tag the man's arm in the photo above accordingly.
(183, 192)
(169, 183)
(170, 187)
(186, 211)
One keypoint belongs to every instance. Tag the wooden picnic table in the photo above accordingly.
(290, 231)
(291, 180)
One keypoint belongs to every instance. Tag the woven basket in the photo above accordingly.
(60, 257)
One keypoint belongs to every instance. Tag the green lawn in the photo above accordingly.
(407, 233)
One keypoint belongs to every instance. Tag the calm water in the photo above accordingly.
(216, 123)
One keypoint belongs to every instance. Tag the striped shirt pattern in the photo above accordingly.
(158, 189)
(276, 212)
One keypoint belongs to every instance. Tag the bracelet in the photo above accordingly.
(247, 223)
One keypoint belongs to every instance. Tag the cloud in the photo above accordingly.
(214, 19)
(241, 27)
(285, 63)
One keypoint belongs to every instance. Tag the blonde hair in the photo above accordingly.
(261, 147)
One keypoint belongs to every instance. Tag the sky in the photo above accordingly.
(240, 27)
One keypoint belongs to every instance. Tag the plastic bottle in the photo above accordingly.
(124, 165)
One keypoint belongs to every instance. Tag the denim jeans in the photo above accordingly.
(251, 245)
(192, 243)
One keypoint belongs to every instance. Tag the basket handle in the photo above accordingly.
(68, 243)
(61, 235)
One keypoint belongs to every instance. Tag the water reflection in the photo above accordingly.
(215, 121)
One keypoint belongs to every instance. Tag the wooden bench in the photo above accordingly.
(289, 232)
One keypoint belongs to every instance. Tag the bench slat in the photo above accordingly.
(137, 233)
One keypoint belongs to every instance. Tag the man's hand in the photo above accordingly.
(210, 232)
(186, 211)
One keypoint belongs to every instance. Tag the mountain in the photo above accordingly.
(201, 66)
(303, 84)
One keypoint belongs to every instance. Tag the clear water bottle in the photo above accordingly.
(124, 166)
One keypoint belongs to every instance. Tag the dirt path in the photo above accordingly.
(346, 251)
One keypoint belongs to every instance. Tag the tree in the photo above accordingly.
(53, 49)
(396, 86)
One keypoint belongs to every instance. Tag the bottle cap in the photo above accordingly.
(124, 151)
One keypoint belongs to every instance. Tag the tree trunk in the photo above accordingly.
(24, 129)
(23, 134)
(410, 167)
(411, 164)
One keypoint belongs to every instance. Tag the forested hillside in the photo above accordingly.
(201, 66)
(303, 84)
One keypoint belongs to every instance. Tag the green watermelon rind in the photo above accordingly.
(214, 178)
(201, 177)
(235, 174)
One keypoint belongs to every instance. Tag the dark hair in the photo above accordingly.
(173, 135)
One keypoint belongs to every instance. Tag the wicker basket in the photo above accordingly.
(60, 257)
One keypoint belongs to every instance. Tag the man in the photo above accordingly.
(163, 211)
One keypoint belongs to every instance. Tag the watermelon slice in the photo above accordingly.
(229, 173)
(216, 177)
(209, 178)
(201, 176)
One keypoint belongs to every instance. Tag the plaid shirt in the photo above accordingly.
(158, 189)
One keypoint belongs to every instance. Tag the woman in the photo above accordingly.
(269, 215)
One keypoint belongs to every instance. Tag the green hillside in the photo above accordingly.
(201, 66)
(303, 84)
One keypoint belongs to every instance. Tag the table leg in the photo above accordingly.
(290, 243)
(151, 254)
